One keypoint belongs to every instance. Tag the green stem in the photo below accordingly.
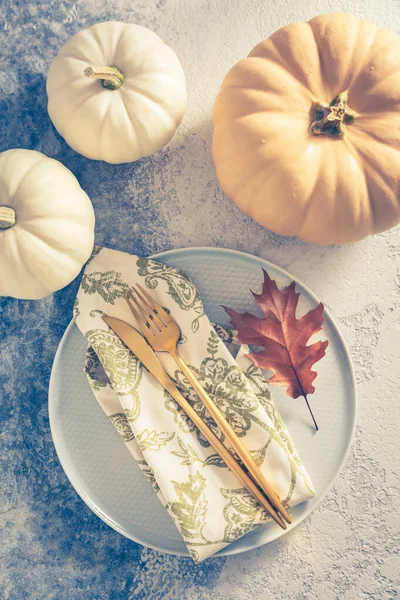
(331, 119)
(111, 77)
(7, 217)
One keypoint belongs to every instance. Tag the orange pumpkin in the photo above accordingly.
(307, 130)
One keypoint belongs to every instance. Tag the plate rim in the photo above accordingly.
(311, 504)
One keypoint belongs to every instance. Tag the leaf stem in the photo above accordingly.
(311, 413)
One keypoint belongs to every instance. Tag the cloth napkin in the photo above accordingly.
(206, 501)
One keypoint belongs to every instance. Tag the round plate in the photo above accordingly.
(104, 473)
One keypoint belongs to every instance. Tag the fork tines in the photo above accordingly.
(146, 310)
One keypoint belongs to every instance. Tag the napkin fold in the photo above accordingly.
(206, 501)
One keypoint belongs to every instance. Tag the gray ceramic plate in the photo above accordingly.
(102, 470)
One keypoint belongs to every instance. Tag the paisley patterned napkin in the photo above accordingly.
(206, 501)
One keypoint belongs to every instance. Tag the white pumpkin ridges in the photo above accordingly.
(125, 124)
(43, 276)
(54, 231)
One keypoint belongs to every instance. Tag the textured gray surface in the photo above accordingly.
(52, 547)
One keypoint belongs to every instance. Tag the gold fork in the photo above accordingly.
(145, 353)
(163, 333)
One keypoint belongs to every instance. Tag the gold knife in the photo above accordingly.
(138, 345)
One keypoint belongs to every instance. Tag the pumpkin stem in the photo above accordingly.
(7, 217)
(331, 119)
(111, 76)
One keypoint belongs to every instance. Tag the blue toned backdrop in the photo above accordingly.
(52, 546)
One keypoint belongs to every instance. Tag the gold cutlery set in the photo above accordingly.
(162, 334)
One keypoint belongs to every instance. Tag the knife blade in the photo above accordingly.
(142, 350)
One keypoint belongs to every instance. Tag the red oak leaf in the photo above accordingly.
(283, 338)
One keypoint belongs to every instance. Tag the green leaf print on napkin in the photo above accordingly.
(224, 333)
(214, 460)
(189, 510)
(108, 284)
(121, 424)
(220, 381)
(189, 456)
(259, 455)
(187, 453)
(180, 417)
(149, 474)
(153, 440)
(227, 387)
(256, 377)
(94, 370)
(240, 514)
(95, 252)
(123, 369)
(76, 310)
(180, 288)
(212, 344)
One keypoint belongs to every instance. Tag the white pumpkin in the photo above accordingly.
(116, 92)
(46, 225)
